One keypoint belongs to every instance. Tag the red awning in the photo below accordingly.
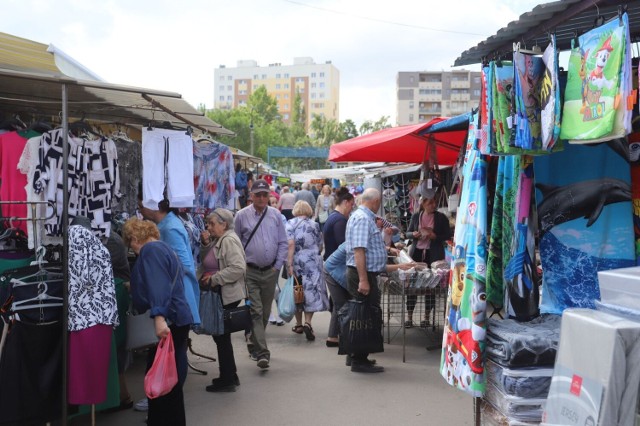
(405, 144)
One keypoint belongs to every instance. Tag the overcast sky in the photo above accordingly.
(175, 45)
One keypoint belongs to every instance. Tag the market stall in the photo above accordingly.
(546, 205)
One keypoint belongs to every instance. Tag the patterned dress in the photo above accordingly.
(307, 262)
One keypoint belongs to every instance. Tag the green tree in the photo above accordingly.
(349, 129)
(370, 126)
(325, 132)
(263, 106)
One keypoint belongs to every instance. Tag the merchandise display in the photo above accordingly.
(522, 409)
(528, 382)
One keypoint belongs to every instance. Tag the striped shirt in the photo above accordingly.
(362, 232)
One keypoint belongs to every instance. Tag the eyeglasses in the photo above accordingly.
(260, 194)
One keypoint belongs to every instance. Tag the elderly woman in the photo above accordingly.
(157, 286)
(223, 266)
(325, 204)
(304, 260)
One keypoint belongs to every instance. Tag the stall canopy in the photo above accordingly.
(404, 144)
(565, 18)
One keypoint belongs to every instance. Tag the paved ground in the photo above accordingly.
(308, 384)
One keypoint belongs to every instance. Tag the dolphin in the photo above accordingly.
(582, 199)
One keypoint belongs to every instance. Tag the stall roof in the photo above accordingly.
(378, 169)
(31, 75)
(564, 18)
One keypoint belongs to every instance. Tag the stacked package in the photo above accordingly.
(519, 367)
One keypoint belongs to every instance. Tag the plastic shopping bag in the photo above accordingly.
(163, 374)
(286, 303)
(360, 328)
(211, 313)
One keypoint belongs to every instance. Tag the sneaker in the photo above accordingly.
(263, 362)
(280, 323)
(142, 405)
(253, 356)
(348, 361)
(220, 386)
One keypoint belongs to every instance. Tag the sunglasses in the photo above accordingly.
(260, 194)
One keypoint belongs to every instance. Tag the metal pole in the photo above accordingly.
(65, 250)
(251, 133)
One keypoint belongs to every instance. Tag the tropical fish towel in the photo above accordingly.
(592, 95)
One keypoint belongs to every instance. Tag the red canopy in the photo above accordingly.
(405, 144)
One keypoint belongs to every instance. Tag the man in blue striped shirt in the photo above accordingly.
(366, 258)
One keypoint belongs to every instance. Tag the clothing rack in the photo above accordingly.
(33, 217)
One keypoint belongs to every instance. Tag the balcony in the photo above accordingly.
(430, 110)
(460, 84)
(460, 97)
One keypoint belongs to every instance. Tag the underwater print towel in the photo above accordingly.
(486, 116)
(462, 361)
(585, 221)
(592, 92)
(502, 103)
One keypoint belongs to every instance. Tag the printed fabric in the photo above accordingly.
(529, 70)
(92, 290)
(94, 181)
(307, 262)
(595, 97)
(550, 97)
(463, 342)
(130, 163)
(585, 221)
(213, 176)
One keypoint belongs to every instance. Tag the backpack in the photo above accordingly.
(241, 180)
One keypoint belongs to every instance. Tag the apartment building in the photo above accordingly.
(424, 95)
(317, 84)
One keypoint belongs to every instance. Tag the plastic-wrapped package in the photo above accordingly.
(523, 344)
(520, 382)
(491, 416)
(516, 408)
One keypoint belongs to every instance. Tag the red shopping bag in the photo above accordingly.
(163, 375)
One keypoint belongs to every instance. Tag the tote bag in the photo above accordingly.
(141, 331)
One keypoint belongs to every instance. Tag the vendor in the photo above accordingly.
(430, 231)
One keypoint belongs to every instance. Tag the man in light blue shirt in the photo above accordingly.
(366, 258)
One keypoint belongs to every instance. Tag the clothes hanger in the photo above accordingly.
(43, 299)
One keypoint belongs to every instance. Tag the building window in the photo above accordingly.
(313, 85)
(277, 96)
(229, 87)
(476, 92)
(278, 86)
(285, 116)
(476, 79)
(299, 80)
(242, 92)
(430, 92)
(229, 98)
(410, 104)
(313, 75)
(221, 88)
(301, 90)
(229, 78)
(410, 117)
(242, 103)
(286, 96)
(313, 96)
(221, 98)
(264, 76)
(286, 75)
(286, 86)
(278, 75)
(321, 95)
(286, 106)
(255, 76)
(322, 85)
(321, 74)
(222, 78)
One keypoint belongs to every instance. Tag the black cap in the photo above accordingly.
(260, 185)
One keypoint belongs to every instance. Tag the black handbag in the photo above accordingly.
(237, 319)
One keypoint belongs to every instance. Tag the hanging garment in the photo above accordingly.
(167, 160)
(92, 292)
(593, 98)
(89, 352)
(634, 159)
(486, 114)
(27, 165)
(13, 182)
(32, 364)
(528, 71)
(585, 222)
(94, 183)
(130, 165)
(465, 329)
(548, 94)
(213, 176)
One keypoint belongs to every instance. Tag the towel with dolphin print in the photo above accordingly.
(585, 222)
